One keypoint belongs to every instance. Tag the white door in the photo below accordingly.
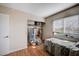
(4, 33)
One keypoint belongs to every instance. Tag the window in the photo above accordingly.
(71, 25)
(68, 25)
(58, 26)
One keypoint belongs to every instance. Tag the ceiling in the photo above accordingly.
(39, 9)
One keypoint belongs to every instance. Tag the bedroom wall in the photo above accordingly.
(18, 27)
(48, 28)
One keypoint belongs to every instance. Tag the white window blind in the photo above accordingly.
(68, 25)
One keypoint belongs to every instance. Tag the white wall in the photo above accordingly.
(36, 18)
(18, 32)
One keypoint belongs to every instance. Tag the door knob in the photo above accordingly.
(6, 37)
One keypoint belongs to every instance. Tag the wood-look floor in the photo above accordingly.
(38, 51)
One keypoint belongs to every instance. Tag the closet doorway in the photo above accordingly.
(34, 33)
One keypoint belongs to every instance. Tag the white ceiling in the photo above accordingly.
(39, 9)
